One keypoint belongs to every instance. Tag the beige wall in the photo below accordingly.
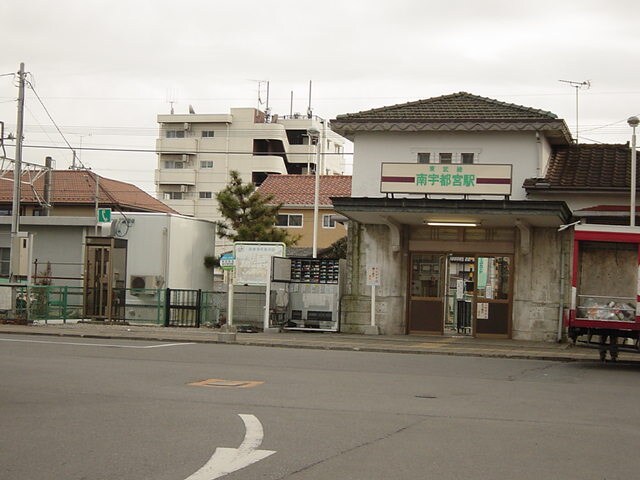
(326, 236)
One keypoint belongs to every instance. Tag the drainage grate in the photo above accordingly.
(426, 396)
(221, 383)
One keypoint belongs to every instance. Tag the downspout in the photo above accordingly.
(540, 159)
(394, 231)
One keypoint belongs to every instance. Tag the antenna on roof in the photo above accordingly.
(577, 85)
(171, 98)
(309, 111)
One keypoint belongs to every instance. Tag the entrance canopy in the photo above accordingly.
(485, 213)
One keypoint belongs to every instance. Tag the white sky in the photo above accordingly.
(105, 69)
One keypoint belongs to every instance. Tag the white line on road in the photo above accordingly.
(93, 344)
(227, 460)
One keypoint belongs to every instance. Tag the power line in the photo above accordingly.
(54, 122)
(179, 152)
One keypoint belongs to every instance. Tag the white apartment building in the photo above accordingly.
(196, 152)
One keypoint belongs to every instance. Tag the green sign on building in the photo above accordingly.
(104, 215)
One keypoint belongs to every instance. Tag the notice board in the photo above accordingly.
(253, 261)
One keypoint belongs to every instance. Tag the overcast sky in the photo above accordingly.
(105, 69)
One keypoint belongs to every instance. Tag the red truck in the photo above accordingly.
(605, 288)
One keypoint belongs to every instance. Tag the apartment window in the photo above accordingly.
(445, 158)
(291, 220)
(5, 255)
(328, 221)
(208, 133)
(175, 133)
(424, 157)
(173, 195)
(173, 164)
(206, 163)
(467, 158)
(205, 195)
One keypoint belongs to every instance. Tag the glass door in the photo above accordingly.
(460, 293)
(427, 304)
(493, 296)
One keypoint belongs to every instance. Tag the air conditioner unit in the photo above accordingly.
(187, 126)
(142, 284)
(184, 188)
(185, 157)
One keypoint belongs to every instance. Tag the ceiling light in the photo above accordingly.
(453, 224)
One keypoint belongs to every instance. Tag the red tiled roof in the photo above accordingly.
(299, 189)
(586, 167)
(78, 187)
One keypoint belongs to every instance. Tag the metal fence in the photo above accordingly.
(141, 306)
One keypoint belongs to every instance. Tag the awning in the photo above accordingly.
(486, 213)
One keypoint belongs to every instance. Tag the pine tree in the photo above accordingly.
(249, 215)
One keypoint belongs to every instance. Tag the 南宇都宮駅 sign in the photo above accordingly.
(446, 179)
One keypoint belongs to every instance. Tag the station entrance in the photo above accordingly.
(460, 294)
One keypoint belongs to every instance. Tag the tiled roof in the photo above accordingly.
(457, 106)
(586, 167)
(299, 189)
(78, 187)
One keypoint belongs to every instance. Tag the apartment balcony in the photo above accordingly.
(268, 163)
(302, 154)
(175, 176)
(177, 145)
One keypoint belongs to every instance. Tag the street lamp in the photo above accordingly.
(314, 136)
(633, 123)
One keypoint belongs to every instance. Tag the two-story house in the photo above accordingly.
(296, 193)
(439, 208)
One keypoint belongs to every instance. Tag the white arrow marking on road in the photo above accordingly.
(226, 460)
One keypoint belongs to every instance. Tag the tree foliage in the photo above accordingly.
(337, 249)
(249, 215)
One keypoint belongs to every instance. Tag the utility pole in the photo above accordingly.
(17, 175)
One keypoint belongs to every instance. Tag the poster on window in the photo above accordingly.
(482, 311)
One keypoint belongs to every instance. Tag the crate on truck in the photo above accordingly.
(604, 288)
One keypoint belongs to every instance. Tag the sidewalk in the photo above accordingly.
(447, 345)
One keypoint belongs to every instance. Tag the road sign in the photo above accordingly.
(104, 215)
(227, 261)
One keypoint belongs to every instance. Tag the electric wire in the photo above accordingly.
(30, 84)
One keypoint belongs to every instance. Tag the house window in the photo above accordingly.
(445, 158)
(5, 256)
(173, 164)
(328, 221)
(173, 195)
(206, 163)
(424, 157)
(467, 158)
(175, 133)
(208, 133)
(205, 195)
(290, 220)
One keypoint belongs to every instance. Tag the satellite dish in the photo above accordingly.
(191, 110)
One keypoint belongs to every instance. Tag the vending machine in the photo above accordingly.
(314, 291)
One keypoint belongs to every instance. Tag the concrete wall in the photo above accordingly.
(537, 285)
(371, 245)
(371, 149)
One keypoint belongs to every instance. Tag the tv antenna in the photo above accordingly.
(577, 85)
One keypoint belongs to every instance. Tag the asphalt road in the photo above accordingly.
(111, 409)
